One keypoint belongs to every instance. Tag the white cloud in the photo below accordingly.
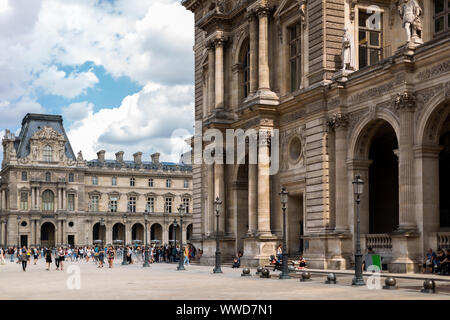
(145, 121)
(77, 111)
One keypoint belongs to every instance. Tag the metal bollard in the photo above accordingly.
(265, 273)
(306, 276)
(246, 272)
(390, 283)
(429, 286)
(258, 270)
(331, 278)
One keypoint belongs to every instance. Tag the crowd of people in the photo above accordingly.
(96, 254)
(437, 262)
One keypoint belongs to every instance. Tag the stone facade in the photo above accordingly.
(269, 64)
(50, 197)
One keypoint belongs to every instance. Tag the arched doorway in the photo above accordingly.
(189, 231)
(172, 234)
(444, 177)
(242, 205)
(137, 232)
(99, 232)
(47, 235)
(156, 233)
(118, 232)
(383, 180)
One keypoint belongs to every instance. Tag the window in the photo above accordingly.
(47, 200)
(186, 205)
(71, 202)
(150, 207)
(113, 204)
(132, 182)
(114, 181)
(47, 153)
(71, 177)
(48, 177)
(370, 39)
(168, 205)
(94, 203)
(94, 180)
(132, 204)
(246, 72)
(150, 182)
(441, 15)
(24, 201)
(295, 56)
(186, 183)
(168, 183)
(24, 176)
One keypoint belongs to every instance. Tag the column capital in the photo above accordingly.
(210, 45)
(406, 101)
(263, 11)
(219, 42)
(250, 15)
(338, 120)
(264, 137)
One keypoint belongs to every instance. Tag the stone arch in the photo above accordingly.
(47, 234)
(432, 120)
(189, 232)
(242, 40)
(138, 232)
(156, 233)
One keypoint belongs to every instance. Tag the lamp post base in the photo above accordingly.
(217, 270)
(146, 264)
(284, 276)
(358, 282)
(181, 268)
(124, 263)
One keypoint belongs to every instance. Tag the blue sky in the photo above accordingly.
(117, 70)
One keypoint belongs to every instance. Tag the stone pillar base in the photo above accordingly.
(257, 251)
(209, 251)
(329, 252)
(405, 255)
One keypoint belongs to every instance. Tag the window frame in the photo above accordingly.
(297, 57)
(246, 71)
(70, 206)
(131, 206)
(445, 14)
(71, 177)
(150, 182)
(113, 204)
(95, 204)
(24, 204)
(186, 207)
(168, 183)
(150, 205)
(168, 204)
(48, 177)
(94, 180)
(132, 182)
(47, 153)
(114, 181)
(367, 30)
(24, 176)
(48, 206)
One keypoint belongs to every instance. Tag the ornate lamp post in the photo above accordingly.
(124, 260)
(358, 190)
(102, 224)
(217, 268)
(18, 234)
(285, 270)
(181, 262)
(146, 264)
(175, 225)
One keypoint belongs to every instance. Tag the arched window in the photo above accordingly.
(47, 200)
(246, 71)
(48, 177)
(47, 153)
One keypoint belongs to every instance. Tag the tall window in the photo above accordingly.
(94, 203)
(186, 183)
(113, 204)
(71, 202)
(150, 182)
(24, 176)
(47, 200)
(114, 181)
(48, 177)
(150, 207)
(295, 55)
(168, 205)
(132, 204)
(168, 183)
(132, 182)
(246, 72)
(370, 39)
(47, 153)
(24, 201)
(441, 16)
(186, 204)
(71, 177)
(94, 180)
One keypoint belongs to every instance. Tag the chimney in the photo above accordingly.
(137, 157)
(101, 156)
(155, 158)
(119, 156)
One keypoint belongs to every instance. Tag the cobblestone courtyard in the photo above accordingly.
(162, 281)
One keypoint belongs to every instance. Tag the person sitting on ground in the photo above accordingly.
(236, 261)
(445, 265)
(301, 263)
(429, 260)
(438, 261)
(276, 262)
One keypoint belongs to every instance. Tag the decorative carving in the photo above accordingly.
(48, 133)
(376, 91)
(292, 116)
(264, 137)
(410, 12)
(352, 9)
(405, 100)
(263, 11)
(338, 120)
(434, 71)
(302, 4)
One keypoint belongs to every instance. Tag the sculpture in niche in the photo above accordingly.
(410, 12)
(61, 151)
(80, 156)
(347, 51)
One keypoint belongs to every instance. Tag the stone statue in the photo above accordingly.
(302, 4)
(346, 50)
(34, 151)
(80, 156)
(410, 12)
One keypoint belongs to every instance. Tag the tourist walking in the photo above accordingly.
(186, 255)
(62, 254)
(2, 256)
(110, 254)
(48, 258)
(101, 256)
(35, 255)
(23, 258)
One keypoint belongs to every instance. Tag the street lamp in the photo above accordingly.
(146, 264)
(124, 260)
(285, 269)
(217, 268)
(18, 235)
(102, 224)
(181, 262)
(175, 224)
(358, 190)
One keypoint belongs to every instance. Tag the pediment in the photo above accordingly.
(48, 133)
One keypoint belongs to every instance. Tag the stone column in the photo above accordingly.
(210, 213)
(4, 199)
(340, 122)
(263, 184)
(253, 53)
(165, 234)
(64, 197)
(406, 103)
(219, 191)
(108, 227)
(38, 232)
(33, 204)
(3, 233)
(38, 198)
(63, 232)
(211, 77)
(219, 74)
(252, 198)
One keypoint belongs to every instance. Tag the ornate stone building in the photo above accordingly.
(50, 197)
(361, 102)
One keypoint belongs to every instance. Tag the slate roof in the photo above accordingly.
(165, 166)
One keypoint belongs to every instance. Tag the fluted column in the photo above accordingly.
(263, 49)
(33, 205)
(211, 77)
(219, 74)
(109, 227)
(3, 199)
(253, 53)
(219, 190)
(252, 198)
(64, 197)
(63, 232)
(210, 213)
(3, 234)
(38, 198)
(263, 184)
(406, 104)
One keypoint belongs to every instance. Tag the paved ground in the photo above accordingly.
(162, 281)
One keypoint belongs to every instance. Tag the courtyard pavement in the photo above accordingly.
(163, 281)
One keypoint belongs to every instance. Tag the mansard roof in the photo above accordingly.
(33, 123)
(165, 166)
